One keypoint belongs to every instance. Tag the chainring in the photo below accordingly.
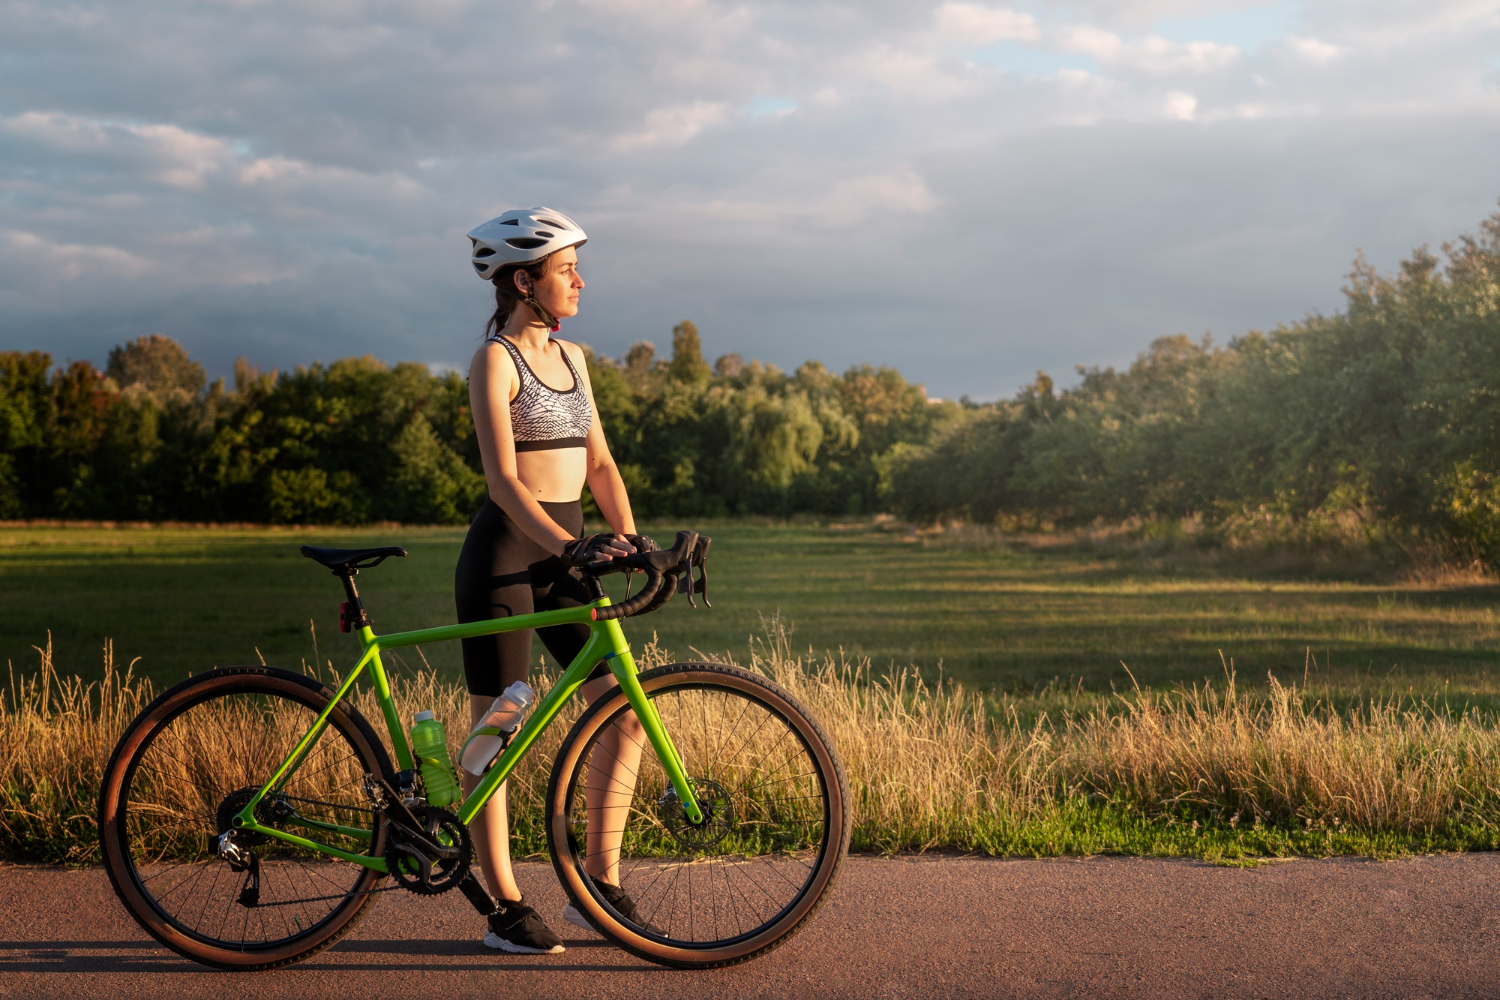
(412, 870)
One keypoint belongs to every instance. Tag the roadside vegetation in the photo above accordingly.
(1209, 770)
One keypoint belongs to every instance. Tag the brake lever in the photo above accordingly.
(686, 584)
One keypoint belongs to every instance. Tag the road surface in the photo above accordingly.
(910, 926)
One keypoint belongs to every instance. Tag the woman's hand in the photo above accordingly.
(642, 543)
(596, 548)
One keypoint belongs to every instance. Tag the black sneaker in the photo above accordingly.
(620, 900)
(516, 928)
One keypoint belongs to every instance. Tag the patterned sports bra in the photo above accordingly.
(541, 417)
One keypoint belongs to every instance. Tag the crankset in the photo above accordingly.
(434, 856)
(429, 850)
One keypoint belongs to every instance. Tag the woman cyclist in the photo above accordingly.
(540, 441)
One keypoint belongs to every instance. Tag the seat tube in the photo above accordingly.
(622, 665)
(387, 703)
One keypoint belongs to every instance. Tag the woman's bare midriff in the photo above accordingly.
(554, 476)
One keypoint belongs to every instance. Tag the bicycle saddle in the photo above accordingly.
(351, 559)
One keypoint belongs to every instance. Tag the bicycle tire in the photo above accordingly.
(800, 834)
(156, 793)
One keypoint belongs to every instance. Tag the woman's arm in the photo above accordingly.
(490, 378)
(603, 474)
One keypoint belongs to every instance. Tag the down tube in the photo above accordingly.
(596, 649)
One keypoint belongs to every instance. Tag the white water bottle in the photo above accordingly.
(492, 732)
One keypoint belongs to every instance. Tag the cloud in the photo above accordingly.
(969, 190)
(876, 196)
(165, 153)
(1181, 105)
(1150, 54)
(674, 126)
(1312, 50)
(978, 25)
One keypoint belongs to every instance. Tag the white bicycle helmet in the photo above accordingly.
(521, 236)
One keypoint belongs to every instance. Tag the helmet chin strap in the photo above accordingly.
(542, 314)
(536, 307)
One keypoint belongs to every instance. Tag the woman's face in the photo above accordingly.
(558, 289)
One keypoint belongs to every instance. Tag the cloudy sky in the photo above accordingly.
(966, 191)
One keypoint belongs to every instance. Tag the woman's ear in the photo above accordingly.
(523, 282)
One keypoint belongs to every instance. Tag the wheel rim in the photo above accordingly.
(192, 768)
(765, 793)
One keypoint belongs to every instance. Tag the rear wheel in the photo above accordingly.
(739, 883)
(187, 765)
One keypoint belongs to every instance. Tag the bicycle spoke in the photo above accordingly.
(190, 769)
(764, 801)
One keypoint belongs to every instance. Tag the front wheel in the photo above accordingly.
(729, 888)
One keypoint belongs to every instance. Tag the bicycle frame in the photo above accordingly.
(606, 643)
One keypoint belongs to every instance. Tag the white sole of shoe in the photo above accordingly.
(572, 916)
(493, 940)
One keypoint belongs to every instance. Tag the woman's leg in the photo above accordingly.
(493, 580)
(617, 755)
(612, 771)
(491, 828)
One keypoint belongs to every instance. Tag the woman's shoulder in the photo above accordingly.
(575, 353)
(488, 360)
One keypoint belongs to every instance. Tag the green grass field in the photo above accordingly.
(1004, 617)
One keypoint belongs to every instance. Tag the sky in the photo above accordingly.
(968, 192)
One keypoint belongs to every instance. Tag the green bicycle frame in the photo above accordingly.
(606, 643)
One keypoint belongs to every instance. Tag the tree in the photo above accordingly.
(687, 355)
(157, 366)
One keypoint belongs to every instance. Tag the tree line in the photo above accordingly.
(355, 441)
(1387, 412)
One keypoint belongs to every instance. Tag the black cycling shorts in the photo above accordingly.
(502, 572)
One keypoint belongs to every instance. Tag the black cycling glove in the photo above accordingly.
(643, 543)
(589, 549)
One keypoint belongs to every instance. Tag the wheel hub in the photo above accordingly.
(718, 814)
(267, 812)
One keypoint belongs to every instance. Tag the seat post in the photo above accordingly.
(353, 618)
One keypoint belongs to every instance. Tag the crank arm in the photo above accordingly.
(407, 825)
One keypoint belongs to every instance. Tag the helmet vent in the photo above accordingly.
(549, 222)
(525, 242)
(543, 232)
(511, 222)
(480, 268)
(484, 252)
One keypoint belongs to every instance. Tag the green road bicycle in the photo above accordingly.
(249, 814)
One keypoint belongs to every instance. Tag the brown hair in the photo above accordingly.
(508, 296)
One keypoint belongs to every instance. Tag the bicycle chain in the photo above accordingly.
(322, 899)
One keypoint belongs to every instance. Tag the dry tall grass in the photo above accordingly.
(1209, 770)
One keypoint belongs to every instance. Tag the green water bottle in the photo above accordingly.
(429, 744)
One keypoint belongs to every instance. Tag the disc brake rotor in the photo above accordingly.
(718, 814)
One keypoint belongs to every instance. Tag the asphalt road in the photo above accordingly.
(923, 926)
